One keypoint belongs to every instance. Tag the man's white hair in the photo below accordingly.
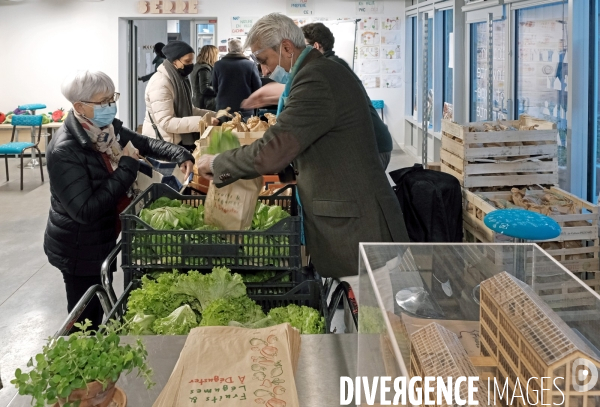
(84, 85)
(235, 45)
(269, 31)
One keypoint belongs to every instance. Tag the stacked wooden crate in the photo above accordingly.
(523, 154)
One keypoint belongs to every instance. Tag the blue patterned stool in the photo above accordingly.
(19, 147)
(522, 225)
(378, 104)
(32, 107)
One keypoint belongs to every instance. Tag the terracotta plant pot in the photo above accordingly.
(92, 396)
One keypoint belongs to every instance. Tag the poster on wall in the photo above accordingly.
(300, 7)
(390, 24)
(369, 23)
(391, 81)
(369, 7)
(370, 81)
(241, 25)
(379, 51)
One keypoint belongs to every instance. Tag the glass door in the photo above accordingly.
(205, 33)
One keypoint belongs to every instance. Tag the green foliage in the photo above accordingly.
(222, 141)
(178, 322)
(223, 310)
(142, 324)
(67, 364)
(258, 277)
(266, 216)
(306, 319)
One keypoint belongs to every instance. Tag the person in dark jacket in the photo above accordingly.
(235, 77)
(158, 60)
(203, 93)
(92, 176)
(322, 39)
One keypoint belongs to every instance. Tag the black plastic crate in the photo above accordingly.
(305, 288)
(277, 248)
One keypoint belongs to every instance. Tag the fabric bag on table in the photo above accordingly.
(231, 367)
(232, 207)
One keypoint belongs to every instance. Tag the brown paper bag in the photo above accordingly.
(232, 207)
(231, 367)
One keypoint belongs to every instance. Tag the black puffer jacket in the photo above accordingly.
(81, 229)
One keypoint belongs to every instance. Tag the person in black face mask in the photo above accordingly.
(170, 114)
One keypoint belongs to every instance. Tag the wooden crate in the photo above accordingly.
(464, 154)
(475, 230)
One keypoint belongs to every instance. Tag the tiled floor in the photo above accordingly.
(32, 298)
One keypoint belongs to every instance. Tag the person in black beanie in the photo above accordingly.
(170, 114)
(158, 60)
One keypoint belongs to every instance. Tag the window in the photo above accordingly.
(430, 41)
(448, 61)
(595, 105)
(414, 66)
(542, 69)
(479, 71)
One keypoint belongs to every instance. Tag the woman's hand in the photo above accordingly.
(203, 165)
(187, 168)
(214, 121)
(133, 154)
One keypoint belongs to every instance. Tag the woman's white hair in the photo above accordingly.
(269, 31)
(235, 46)
(84, 85)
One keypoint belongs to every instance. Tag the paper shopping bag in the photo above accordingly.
(231, 367)
(232, 207)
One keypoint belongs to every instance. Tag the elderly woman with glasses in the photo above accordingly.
(92, 175)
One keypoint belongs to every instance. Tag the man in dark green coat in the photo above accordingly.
(322, 39)
(326, 131)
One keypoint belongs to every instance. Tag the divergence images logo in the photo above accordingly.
(584, 371)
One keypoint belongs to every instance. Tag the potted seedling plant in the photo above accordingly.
(81, 370)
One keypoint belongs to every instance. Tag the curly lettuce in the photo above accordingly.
(224, 310)
(306, 319)
(178, 322)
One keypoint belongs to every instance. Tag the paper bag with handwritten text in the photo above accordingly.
(232, 207)
(231, 367)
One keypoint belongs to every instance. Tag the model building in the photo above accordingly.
(437, 352)
(527, 339)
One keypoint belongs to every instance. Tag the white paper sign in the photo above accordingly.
(149, 67)
(300, 7)
(241, 25)
(369, 7)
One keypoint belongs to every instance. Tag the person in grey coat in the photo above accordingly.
(321, 38)
(324, 128)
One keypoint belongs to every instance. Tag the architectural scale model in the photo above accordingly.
(528, 340)
(437, 352)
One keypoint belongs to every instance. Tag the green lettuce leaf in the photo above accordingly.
(141, 324)
(370, 320)
(222, 141)
(206, 288)
(155, 297)
(178, 322)
(224, 310)
(307, 320)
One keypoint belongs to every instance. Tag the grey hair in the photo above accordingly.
(235, 45)
(269, 31)
(84, 85)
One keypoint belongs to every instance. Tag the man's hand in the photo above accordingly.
(187, 168)
(203, 166)
(266, 96)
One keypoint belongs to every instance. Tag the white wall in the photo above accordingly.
(149, 32)
(62, 35)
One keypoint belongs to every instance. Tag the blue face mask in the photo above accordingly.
(103, 116)
(279, 74)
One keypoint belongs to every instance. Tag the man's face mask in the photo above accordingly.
(279, 74)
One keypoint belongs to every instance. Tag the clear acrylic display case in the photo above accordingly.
(541, 314)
